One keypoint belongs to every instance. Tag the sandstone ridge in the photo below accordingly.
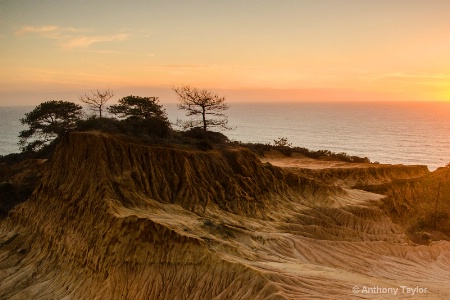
(115, 219)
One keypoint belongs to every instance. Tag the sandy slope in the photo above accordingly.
(115, 220)
(300, 161)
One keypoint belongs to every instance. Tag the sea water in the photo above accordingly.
(10, 127)
(387, 132)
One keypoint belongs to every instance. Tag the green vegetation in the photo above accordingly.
(145, 119)
(141, 117)
(150, 130)
(282, 145)
(285, 147)
(138, 107)
(48, 121)
(202, 140)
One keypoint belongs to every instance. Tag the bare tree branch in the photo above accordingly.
(202, 103)
(97, 100)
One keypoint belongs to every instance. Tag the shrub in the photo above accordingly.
(136, 127)
(151, 127)
(286, 148)
(282, 145)
(108, 125)
(211, 136)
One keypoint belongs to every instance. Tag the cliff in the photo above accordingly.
(421, 205)
(114, 219)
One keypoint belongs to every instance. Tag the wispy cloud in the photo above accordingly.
(50, 31)
(114, 52)
(71, 38)
(37, 29)
(86, 41)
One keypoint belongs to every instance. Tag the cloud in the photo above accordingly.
(114, 52)
(86, 41)
(71, 38)
(37, 29)
(49, 31)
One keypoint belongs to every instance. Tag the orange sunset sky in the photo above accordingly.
(247, 50)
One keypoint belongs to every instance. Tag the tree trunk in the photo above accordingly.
(204, 118)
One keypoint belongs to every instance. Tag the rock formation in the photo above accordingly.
(112, 218)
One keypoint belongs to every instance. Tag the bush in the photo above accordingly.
(211, 136)
(282, 145)
(286, 148)
(151, 127)
(16, 157)
(108, 125)
(137, 127)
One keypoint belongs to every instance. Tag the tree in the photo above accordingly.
(203, 106)
(138, 107)
(97, 100)
(46, 122)
(144, 116)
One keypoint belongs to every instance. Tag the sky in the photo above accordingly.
(246, 50)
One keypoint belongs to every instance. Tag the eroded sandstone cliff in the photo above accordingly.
(114, 219)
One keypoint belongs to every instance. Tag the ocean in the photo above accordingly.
(387, 132)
